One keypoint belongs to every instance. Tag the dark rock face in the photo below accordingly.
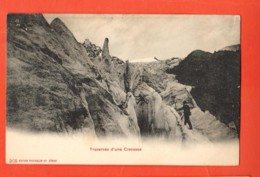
(216, 78)
(52, 82)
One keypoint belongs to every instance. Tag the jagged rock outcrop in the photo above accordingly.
(109, 70)
(75, 56)
(106, 56)
(92, 50)
(52, 82)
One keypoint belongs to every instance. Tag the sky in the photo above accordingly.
(142, 37)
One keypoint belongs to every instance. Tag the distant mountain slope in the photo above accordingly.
(216, 81)
(231, 48)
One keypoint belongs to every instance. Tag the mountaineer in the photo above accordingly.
(187, 114)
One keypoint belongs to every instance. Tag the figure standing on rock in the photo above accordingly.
(187, 114)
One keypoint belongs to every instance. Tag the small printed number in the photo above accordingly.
(12, 160)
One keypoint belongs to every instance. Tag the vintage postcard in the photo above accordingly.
(123, 89)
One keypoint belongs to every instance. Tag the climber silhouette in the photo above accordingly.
(187, 114)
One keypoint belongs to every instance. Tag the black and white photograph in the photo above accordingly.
(126, 89)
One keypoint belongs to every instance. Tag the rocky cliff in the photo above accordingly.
(216, 81)
(53, 84)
